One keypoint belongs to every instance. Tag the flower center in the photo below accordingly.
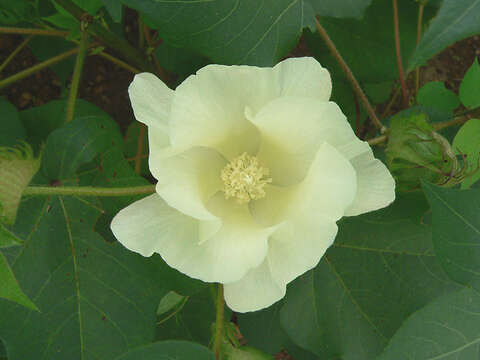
(244, 179)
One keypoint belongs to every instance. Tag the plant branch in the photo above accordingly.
(88, 190)
(349, 74)
(36, 68)
(107, 37)
(421, 7)
(219, 323)
(118, 62)
(23, 31)
(399, 54)
(15, 52)
(77, 75)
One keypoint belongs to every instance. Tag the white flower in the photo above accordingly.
(254, 168)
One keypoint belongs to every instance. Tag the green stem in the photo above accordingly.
(217, 342)
(399, 54)
(118, 62)
(421, 7)
(107, 37)
(36, 68)
(350, 76)
(88, 190)
(23, 31)
(77, 75)
(15, 52)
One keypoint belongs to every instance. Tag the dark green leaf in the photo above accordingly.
(13, 12)
(114, 8)
(169, 350)
(456, 20)
(340, 8)
(10, 288)
(262, 330)
(470, 87)
(456, 231)
(435, 95)
(448, 328)
(11, 128)
(368, 45)
(380, 270)
(233, 32)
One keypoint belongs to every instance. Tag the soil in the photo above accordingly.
(105, 84)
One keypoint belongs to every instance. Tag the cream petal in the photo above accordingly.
(211, 251)
(298, 245)
(327, 190)
(255, 291)
(151, 100)
(375, 184)
(188, 180)
(208, 108)
(304, 77)
(292, 130)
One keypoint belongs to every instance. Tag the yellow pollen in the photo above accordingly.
(244, 179)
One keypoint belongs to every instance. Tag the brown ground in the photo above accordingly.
(105, 84)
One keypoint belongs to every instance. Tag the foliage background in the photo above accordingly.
(399, 283)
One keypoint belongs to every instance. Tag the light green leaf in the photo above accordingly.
(435, 95)
(469, 91)
(169, 301)
(7, 238)
(380, 270)
(456, 231)
(456, 20)
(169, 350)
(10, 288)
(467, 142)
(448, 328)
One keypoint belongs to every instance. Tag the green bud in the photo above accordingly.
(17, 168)
(415, 151)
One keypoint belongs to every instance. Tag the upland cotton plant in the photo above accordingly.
(254, 168)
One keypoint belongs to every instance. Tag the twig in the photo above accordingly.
(118, 62)
(421, 7)
(23, 31)
(351, 77)
(77, 75)
(219, 323)
(15, 52)
(32, 70)
(399, 54)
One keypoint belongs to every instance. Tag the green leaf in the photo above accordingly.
(114, 8)
(95, 297)
(232, 32)
(7, 238)
(169, 301)
(169, 350)
(380, 270)
(10, 289)
(456, 20)
(262, 330)
(367, 45)
(13, 12)
(435, 95)
(78, 142)
(466, 142)
(340, 8)
(456, 231)
(448, 328)
(469, 91)
(11, 128)
(40, 121)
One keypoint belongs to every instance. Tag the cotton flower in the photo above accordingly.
(254, 166)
